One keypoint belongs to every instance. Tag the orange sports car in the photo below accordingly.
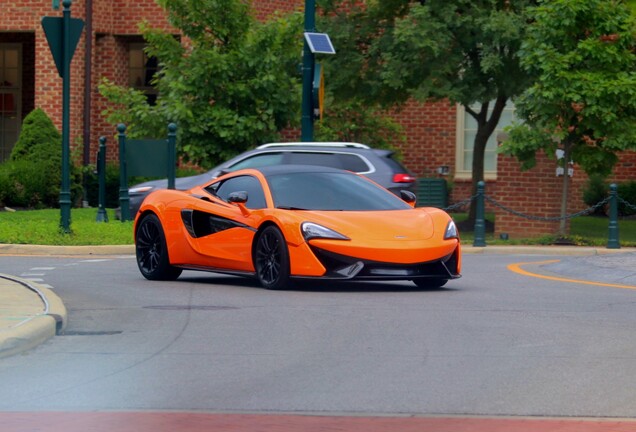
(285, 223)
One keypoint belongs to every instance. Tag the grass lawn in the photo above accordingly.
(584, 231)
(42, 227)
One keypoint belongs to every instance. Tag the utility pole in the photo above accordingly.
(309, 62)
(313, 82)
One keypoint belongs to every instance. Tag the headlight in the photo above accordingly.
(141, 189)
(451, 231)
(312, 230)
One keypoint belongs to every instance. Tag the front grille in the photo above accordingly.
(346, 267)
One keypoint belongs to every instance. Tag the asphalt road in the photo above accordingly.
(494, 343)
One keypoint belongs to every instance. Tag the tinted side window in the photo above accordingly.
(306, 158)
(353, 162)
(249, 184)
(347, 161)
(259, 160)
(395, 166)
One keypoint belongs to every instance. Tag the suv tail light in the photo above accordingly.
(403, 178)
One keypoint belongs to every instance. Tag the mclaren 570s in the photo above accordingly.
(286, 223)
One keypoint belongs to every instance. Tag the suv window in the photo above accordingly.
(259, 160)
(396, 166)
(347, 161)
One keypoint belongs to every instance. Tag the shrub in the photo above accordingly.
(627, 191)
(33, 174)
(112, 186)
(39, 139)
(30, 184)
(594, 192)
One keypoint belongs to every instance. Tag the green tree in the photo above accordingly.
(464, 51)
(583, 102)
(354, 121)
(232, 84)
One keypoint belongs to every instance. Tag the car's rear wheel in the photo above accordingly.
(152, 252)
(271, 259)
(430, 283)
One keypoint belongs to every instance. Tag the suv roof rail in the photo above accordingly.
(315, 144)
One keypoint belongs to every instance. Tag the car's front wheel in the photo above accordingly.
(430, 283)
(152, 252)
(271, 259)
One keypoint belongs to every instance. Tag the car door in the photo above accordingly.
(224, 234)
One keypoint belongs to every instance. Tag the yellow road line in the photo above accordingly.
(517, 269)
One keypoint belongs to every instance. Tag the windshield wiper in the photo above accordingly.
(291, 208)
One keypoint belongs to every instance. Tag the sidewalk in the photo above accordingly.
(31, 314)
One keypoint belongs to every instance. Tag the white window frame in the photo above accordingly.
(462, 172)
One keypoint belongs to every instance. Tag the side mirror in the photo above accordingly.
(409, 197)
(237, 197)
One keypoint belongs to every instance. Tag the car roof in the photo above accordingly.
(291, 168)
(314, 144)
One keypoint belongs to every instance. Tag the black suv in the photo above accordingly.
(376, 164)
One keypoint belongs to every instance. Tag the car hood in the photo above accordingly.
(404, 225)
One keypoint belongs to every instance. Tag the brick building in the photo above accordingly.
(439, 135)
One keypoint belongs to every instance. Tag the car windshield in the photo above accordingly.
(330, 191)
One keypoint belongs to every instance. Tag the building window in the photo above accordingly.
(10, 97)
(466, 132)
(141, 71)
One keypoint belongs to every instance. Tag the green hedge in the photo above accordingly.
(597, 189)
(32, 176)
(112, 186)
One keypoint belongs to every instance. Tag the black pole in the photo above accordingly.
(612, 240)
(102, 216)
(124, 198)
(480, 225)
(65, 191)
(172, 154)
(307, 119)
(88, 77)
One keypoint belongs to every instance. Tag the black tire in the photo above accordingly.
(430, 283)
(271, 259)
(152, 252)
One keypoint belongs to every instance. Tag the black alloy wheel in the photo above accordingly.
(152, 252)
(271, 259)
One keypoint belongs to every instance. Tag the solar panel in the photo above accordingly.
(319, 43)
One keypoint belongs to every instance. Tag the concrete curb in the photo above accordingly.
(38, 329)
(27, 336)
(28, 249)
(545, 250)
